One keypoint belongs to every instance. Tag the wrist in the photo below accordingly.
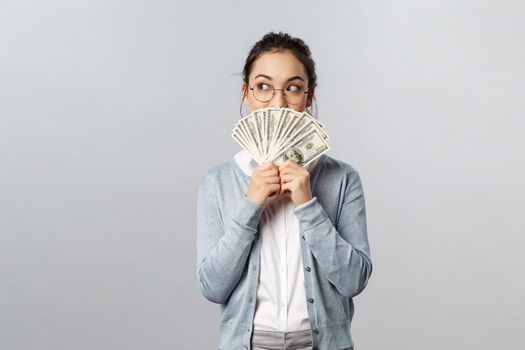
(256, 201)
(303, 201)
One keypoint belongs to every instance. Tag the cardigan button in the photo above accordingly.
(311, 300)
(308, 268)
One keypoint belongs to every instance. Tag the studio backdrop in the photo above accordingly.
(112, 111)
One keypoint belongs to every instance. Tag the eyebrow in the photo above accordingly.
(270, 78)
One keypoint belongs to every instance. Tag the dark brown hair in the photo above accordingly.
(275, 42)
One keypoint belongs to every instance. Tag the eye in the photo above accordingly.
(294, 88)
(263, 86)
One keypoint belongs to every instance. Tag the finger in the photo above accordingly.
(274, 189)
(289, 164)
(286, 171)
(283, 190)
(291, 171)
(272, 180)
(266, 165)
(269, 172)
(292, 163)
(286, 178)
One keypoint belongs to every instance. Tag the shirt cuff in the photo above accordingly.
(304, 204)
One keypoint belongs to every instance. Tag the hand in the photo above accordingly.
(295, 180)
(264, 183)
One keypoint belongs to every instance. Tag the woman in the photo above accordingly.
(282, 249)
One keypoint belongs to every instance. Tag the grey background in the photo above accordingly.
(111, 111)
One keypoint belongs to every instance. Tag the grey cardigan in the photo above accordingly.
(334, 246)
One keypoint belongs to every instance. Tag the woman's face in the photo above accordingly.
(282, 70)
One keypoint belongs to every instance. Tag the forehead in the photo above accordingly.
(279, 65)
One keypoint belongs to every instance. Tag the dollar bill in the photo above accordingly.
(278, 134)
(307, 148)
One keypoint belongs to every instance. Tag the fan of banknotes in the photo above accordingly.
(278, 134)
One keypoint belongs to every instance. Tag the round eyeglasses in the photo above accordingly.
(264, 92)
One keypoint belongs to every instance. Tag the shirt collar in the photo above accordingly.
(247, 164)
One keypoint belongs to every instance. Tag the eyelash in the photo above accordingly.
(297, 86)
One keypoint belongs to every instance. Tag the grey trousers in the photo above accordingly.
(268, 340)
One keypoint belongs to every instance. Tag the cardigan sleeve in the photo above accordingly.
(342, 252)
(222, 247)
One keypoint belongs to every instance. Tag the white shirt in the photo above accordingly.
(281, 297)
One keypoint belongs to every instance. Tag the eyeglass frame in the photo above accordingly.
(273, 94)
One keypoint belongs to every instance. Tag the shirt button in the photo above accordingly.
(303, 237)
(311, 300)
(316, 331)
(308, 268)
